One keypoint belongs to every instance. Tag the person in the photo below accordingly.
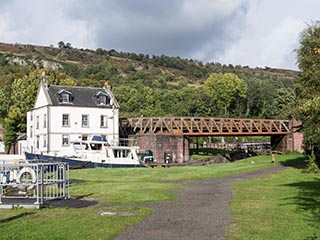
(273, 159)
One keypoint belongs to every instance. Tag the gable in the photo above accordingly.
(42, 98)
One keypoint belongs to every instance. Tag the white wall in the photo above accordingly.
(54, 130)
(41, 97)
(2, 147)
(22, 147)
(42, 131)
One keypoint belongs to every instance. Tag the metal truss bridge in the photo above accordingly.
(203, 126)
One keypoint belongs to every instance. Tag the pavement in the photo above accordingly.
(201, 211)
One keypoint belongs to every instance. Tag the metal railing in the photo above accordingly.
(32, 183)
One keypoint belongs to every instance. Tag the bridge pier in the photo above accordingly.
(293, 141)
(279, 143)
(172, 148)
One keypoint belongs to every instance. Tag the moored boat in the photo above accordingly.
(96, 152)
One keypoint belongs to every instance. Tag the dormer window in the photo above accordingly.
(64, 96)
(102, 99)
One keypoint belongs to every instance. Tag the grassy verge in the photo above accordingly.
(285, 205)
(112, 190)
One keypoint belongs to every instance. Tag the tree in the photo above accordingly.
(61, 44)
(4, 103)
(224, 90)
(308, 87)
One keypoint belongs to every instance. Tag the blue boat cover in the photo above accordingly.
(99, 138)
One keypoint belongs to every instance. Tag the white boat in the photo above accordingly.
(96, 152)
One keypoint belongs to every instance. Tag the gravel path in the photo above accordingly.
(200, 212)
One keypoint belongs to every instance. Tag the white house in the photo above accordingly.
(62, 114)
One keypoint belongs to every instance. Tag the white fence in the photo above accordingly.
(30, 184)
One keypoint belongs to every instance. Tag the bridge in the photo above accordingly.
(204, 126)
(170, 135)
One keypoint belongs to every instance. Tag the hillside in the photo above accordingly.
(147, 85)
(67, 57)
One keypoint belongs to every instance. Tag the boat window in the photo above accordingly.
(96, 146)
(125, 153)
(116, 153)
(120, 153)
(77, 146)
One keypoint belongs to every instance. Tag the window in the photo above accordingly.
(38, 142)
(102, 99)
(103, 121)
(65, 97)
(31, 116)
(65, 120)
(85, 121)
(37, 123)
(65, 140)
(84, 137)
(31, 131)
(45, 121)
(45, 140)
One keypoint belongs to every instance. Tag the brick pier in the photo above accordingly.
(171, 148)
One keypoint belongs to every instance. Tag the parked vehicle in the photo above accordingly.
(147, 157)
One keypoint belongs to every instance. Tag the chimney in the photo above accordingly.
(107, 86)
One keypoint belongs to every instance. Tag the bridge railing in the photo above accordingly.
(195, 126)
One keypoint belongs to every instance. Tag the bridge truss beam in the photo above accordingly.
(205, 126)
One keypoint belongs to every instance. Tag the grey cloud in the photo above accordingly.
(160, 27)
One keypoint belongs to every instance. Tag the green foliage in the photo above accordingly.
(9, 135)
(129, 68)
(62, 56)
(223, 90)
(308, 87)
(153, 86)
(4, 103)
(312, 166)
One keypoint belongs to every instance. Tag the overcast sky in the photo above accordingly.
(246, 32)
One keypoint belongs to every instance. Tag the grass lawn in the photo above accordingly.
(120, 189)
(285, 205)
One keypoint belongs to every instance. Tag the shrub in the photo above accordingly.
(312, 166)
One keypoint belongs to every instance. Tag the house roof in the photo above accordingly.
(80, 96)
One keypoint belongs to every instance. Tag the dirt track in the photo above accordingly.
(200, 212)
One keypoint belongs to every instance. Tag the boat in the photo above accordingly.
(96, 152)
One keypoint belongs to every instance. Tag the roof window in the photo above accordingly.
(102, 99)
(64, 96)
